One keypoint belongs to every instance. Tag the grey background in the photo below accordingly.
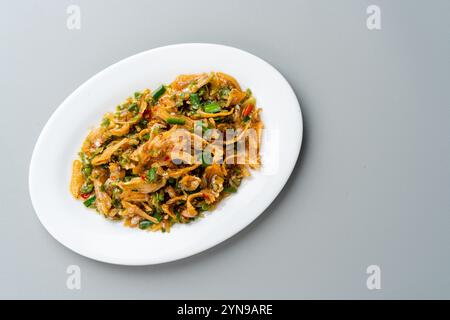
(372, 184)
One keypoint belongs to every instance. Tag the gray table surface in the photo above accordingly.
(372, 186)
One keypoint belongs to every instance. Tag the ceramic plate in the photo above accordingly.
(91, 235)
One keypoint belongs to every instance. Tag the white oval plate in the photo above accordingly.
(91, 235)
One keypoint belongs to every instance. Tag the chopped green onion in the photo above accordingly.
(137, 95)
(144, 224)
(159, 92)
(192, 84)
(105, 122)
(97, 151)
(133, 107)
(195, 100)
(151, 175)
(206, 159)
(157, 216)
(212, 107)
(224, 92)
(179, 102)
(116, 203)
(205, 207)
(136, 117)
(246, 119)
(89, 201)
(84, 158)
(158, 197)
(87, 188)
(230, 190)
(86, 170)
(146, 136)
(143, 122)
(123, 161)
(175, 121)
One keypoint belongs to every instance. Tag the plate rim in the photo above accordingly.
(196, 250)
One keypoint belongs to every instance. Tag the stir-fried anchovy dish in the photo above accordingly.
(165, 156)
